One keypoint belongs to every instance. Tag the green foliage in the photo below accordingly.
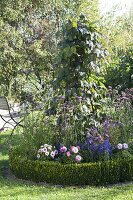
(122, 155)
(78, 87)
(37, 128)
(75, 8)
(100, 173)
(118, 107)
(117, 29)
(24, 51)
(120, 70)
(29, 42)
(80, 52)
(118, 33)
(28, 35)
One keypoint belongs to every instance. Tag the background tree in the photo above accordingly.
(118, 33)
(29, 42)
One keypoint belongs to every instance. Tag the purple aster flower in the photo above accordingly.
(88, 135)
(61, 97)
(95, 130)
(125, 98)
(42, 150)
(63, 149)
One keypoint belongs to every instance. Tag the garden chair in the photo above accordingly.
(11, 118)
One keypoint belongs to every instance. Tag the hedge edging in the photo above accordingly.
(100, 173)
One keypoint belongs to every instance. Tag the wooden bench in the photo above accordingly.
(11, 118)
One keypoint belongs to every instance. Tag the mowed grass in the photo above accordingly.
(11, 189)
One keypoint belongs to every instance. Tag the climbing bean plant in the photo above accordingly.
(78, 87)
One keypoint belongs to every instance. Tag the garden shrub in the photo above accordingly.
(100, 173)
(118, 107)
(120, 71)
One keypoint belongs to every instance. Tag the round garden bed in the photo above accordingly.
(100, 173)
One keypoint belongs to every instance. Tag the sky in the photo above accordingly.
(123, 6)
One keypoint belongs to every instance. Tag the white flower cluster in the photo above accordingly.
(46, 150)
(122, 146)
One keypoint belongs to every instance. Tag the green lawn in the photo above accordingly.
(19, 190)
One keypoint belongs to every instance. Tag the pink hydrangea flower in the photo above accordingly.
(78, 158)
(74, 149)
(119, 146)
(68, 153)
(63, 149)
(125, 146)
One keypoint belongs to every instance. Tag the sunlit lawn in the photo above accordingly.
(11, 189)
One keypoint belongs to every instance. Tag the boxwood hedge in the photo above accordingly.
(100, 173)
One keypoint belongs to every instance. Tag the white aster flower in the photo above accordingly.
(52, 154)
(56, 152)
(119, 146)
(125, 146)
(47, 153)
(40, 150)
(49, 147)
(46, 145)
(44, 150)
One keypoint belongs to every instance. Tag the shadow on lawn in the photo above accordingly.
(14, 189)
(5, 141)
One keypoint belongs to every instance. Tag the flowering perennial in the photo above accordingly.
(48, 152)
(97, 145)
(122, 146)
